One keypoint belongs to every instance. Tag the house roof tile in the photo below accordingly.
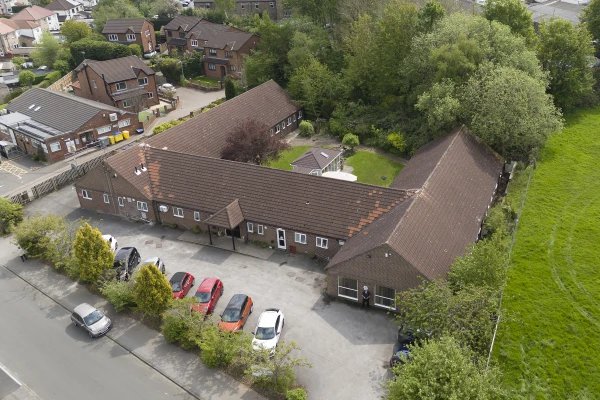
(117, 69)
(123, 25)
(7, 26)
(62, 5)
(217, 36)
(228, 217)
(316, 158)
(33, 13)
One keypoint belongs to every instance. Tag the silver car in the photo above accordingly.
(91, 319)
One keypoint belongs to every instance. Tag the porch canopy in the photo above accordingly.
(229, 217)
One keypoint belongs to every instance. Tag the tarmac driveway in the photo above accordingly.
(348, 347)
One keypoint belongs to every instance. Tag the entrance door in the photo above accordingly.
(281, 238)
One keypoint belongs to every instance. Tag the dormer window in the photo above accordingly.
(212, 52)
(131, 37)
(121, 86)
(113, 37)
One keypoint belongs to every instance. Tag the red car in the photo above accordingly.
(181, 283)
(208, 293)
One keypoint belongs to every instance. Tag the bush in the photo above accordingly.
(35, 235)
(119, 294)
(296, 394)
(397, 141)
(170, 68)
(306, 129)
(39, 79)
(13, 94)
(166, 125)
(92, 253)
(26, 78)
(11, 214)
(337, 128)
(183, 326)
(152, 291)
(351, 140)
(136, 49)
(97, 50)
(220, 348)
(230, 91)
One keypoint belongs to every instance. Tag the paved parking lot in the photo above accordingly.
(347, 346)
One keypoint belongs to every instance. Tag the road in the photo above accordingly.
(45, 352)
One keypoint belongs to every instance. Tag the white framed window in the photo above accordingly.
(260, 229)
(194, 43)
(113, 38)
(322, 242)
(106, 198)
(212, 52)
(256, 6)
(178, 212)
(243, 6)
(272, 4)
(124, 122)
(300, 237)
(126, 104)
(196, 215)
(212, 67)
(85, 194)
(228, 54)
(131, 37)
(54, 146)
(385, 297)
(289, 121)
(294, 117)
(121, 86)
(143, 81)
(348, 288)
(283, 124)
(121, 201)
(150, 95)
(271, 131)
(299, 114)
(277, 129)
(142, 206)
(250, 227)
(103, 129)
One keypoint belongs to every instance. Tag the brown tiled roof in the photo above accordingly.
(314, 158)
(117, 69)
(206, 134)
(217, 36)
(60, 5)
(446, 214)
(33, 13)
(124, 164)
(183, 21)
(7, 26)
(306, 203)
(123, 25)
(23, 24)
(228, 217)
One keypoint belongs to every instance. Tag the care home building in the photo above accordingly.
(54, 124)
(131, 31)
(387, 238)
(125, 82)
(224, 47)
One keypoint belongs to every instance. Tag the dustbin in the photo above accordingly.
(125, 135)
(139, 131)
(111, 139)
(104, 141)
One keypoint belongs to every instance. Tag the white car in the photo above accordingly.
(268, 330)
(150, 54)
(91, 319)
(157, 262)
(112, 242)
(166, 88)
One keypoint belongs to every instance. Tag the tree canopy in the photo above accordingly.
(75, 30)
(251, 142)
(513, 13)
(11, 214)
(46, 51)
(113, 9)
(152, 291)
(92, 253)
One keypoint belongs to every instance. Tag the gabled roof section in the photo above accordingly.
(186, 23)
(218, 36)
(206, 134)
(310, 204)
(316, 158)
(33, 13)
(7, 26)
(117, 69)
(123, 25)
(58, 110)
(459, 175)
(228, 217)
(61, 5)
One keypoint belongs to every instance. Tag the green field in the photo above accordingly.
(368, 167)
(548, 343)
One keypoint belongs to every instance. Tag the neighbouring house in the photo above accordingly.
(131, 30)
(53, 125)
(125, 82)
(65, 9)
(47, 19)
(318, 161)
(89, 4)
(386, 238)
(224, 47)
(274, 8)
(9, 38)
(16, 34)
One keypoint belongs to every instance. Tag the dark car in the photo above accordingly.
(236, 313)
(181, 283)
(401, 352)
(207, 295)
(126, 259)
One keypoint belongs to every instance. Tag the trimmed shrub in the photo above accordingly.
(296, 394)
(351, 140)
(119, 294)
(152, 291)
(136, 49)
(306, 129)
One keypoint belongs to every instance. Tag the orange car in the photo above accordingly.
(236, 313)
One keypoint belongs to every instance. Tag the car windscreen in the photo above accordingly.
(265, 333)
(92, 318)
(231, 315)
(203, 297)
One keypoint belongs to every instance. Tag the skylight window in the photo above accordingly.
(31, 106)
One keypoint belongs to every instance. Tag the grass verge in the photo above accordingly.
(286, 157)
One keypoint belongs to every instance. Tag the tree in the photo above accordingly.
(230, 92)
(350, 140)
(73, 30)
(26, 78)
(170, 68)
(513, 13)
(591, 18)
(46, 51)
(182, 325)
(92, 253)
(565, 51)
(97, 50)
(443, 369)
(152, 291)
(440, 107)
(510, 111)
(35, 235)
(436, 310)
(18, 61)
(320, 11)
(113, 9)
(430, 14)
(250, 141)
(220, 349)
(11, 214)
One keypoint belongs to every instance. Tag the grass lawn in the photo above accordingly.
(548, 343)
(368, 167)
(286, 157)
(206, 81)
(374, 169)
